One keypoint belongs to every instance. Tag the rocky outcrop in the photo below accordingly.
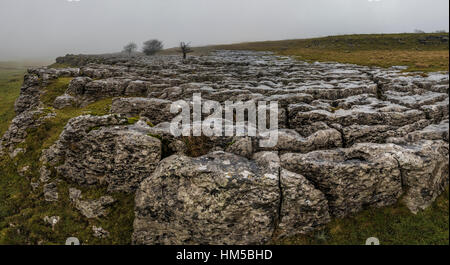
(28, 107)
(350, 137)
(104, 150)
(64, 101)
(51, 192)
(375, 174)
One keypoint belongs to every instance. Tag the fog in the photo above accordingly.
(50, 28)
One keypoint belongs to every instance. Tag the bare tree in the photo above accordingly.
(418, 31)
(151, 47)
(130, 48)
(185, 48)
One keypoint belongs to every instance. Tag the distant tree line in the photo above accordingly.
(153, 46)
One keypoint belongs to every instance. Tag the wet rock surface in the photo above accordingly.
(350, 137)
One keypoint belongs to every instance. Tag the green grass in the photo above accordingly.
(11, 78)
(384, 50)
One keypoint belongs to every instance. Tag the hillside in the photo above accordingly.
(420, 52)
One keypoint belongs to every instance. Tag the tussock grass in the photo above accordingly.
(55, 89)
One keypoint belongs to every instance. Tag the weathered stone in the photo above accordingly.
(387, 114)
(292, 141)
(431, 132)
(303, 208)
(363, 175)
(424, 168)
(23, 171)
(51, 192)
(45, 174)
(222, 198)
(105, 151)
(74, 194)
(94, 208)
(215, 199)
(64, 101)
(438, 111)
(34, 185)
(137, 88)
(156, 110)
(413, 100)
(18, 129)
(242, 146)
(77, 86)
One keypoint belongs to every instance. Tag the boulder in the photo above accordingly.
(222, 198)
(156, 110)
(77, 86)
(64, 101)
(215, 199)
(424, 167)
(104, 150)
(375, 175)
(352, 179)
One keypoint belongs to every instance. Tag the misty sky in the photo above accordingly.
(49, 28)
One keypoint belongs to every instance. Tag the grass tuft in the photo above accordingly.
(55, 89)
